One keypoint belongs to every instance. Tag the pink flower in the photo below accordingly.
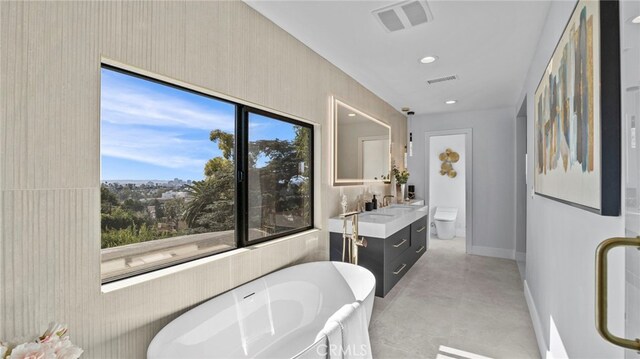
(64, 349)
(53, 344)
(32, 351)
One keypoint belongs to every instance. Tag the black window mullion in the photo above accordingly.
(245, 169)
(242, 171)
(241, 177)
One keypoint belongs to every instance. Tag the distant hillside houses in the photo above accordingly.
(176, 183)
(174, 195)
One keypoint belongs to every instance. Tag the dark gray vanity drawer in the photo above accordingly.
(418, 240)
(416, 251)
(419, 249)
(396, 270)
(396, 244)
(418, 232)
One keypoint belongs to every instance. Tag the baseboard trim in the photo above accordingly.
(521, 256)
(492, 252)
(535, 319)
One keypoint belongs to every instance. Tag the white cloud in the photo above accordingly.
(153, 109)
(146, 123)
(160, 148)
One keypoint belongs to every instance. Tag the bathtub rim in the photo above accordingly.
(367, 299)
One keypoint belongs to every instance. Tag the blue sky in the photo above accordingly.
(151, 131)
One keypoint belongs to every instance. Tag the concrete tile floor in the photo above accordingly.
(453, 300)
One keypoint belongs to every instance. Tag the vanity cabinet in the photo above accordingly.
(419, 242)
(389, 259)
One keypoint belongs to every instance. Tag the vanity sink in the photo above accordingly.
(394, 211)
(384, 214)
(401, 206)
(383, 222)
(375, 217)
(376, 213)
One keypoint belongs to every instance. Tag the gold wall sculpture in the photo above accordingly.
(448, 158)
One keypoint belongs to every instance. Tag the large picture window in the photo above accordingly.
(186, 175)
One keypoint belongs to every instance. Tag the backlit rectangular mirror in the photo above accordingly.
(361, 146)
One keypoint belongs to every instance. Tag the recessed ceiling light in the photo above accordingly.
(352, 115)
(636, 20)
(428, 59)
(450, 102)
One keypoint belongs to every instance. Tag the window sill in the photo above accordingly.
(146, 277)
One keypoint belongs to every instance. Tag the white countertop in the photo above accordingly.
(383, 222)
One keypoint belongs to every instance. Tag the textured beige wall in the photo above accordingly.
(49, 153)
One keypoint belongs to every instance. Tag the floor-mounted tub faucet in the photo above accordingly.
(352, 241)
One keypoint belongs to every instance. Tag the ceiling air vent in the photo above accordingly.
(403, 15)
(442, 79)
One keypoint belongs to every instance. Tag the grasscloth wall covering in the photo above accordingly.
(49, 153)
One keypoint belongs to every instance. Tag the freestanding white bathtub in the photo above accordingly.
(275, 316)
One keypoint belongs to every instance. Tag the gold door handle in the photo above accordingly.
(601, 291)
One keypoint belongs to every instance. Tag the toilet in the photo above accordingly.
(445, 219)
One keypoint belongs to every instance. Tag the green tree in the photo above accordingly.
(108, 200)
(211, 204)
(174, 210)
(120, 218)
(129, 235)
(159, 208)
(218, 165)
(225, 142)
(211, 207)
(133, 205)
(302, 143)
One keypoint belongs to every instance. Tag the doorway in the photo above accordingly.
(370, 150)
(447, 190)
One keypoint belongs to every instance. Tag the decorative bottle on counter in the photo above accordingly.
(375, 202)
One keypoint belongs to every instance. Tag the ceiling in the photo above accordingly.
(488, 44)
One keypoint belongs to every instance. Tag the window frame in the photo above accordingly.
(245, 112)
(241, 145)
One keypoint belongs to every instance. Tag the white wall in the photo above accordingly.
(445, 191)
(520, 195)
(492, 178)
(561, 243)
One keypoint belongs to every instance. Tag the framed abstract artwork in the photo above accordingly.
(577, 113)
